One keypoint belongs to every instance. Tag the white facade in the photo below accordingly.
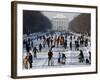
(60, 23)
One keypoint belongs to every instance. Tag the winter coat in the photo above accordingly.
(50, 54)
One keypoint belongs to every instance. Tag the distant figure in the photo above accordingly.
(44, 43)
(28, 45)
(58, 39)
(55, 40)
(24, 43)
(35, 50)
(31, 44)
(76, 45)
(48, 41)
(89, 57)
(30, 60)
(37, 37)
(87, 61)
(81, 56)
(61, 40)
(63, 58)
(40, 37)
(70, 45)
(65, 44)
(40, 47)
(81, 41)
(86, 42)
(59, 57)
(71, 37)
(50, 55)
(51, 41)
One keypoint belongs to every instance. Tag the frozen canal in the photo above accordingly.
(72, 58)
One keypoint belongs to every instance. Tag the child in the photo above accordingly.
(26, 62)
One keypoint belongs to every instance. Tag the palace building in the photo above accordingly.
(60, 23)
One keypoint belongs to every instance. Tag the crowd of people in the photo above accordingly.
(55, 40)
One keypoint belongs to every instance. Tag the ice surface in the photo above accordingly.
(71, 55)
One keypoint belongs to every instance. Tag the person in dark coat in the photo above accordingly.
(77, 45)
(65, 44)
(24, 43)
(59, 57)
(35, 50)
(63, 58)
(89, 57)
(81, 56)
(50, 55)
(70, 45)
(51, 41)
(28, 48)
(30, 60)
(71, 37)
(48, 41)
(40, 47)
(87, 61)
(86, 42)
(40, 37)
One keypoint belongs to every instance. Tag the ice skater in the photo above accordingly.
(59, 57)
(61, 40)
(58, 40)
(63, 58)
(28, 48)
(44, 41)
(31, 44)
(48, 41)
(65, 44)
(88, 60)
(50, 55)
(70, 45)
(40, 47)
(76, 45)
(26, 62)
(81, 56)
(35, 50)
(51, 40)
(30, 60)
(86, 42)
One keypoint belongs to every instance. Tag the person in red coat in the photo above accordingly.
(50, 55)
